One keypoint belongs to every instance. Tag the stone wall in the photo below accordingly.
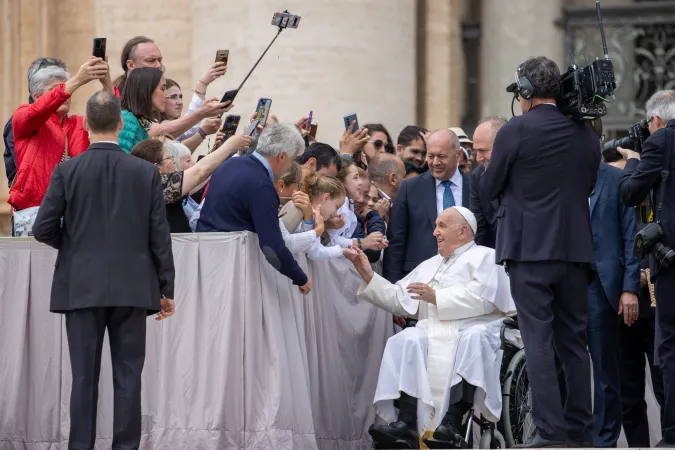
(356, 56)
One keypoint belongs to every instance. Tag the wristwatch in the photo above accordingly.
(359, 242)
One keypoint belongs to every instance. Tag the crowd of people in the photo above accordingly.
(410, 208)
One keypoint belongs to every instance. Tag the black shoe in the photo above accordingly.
(393, 432)
(449, 434)
(539, 442)
(664, 444)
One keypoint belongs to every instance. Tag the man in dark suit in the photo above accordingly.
(611, 295)
(104, 213)
(642, 174)
(242, 196)
(485, 210)
(419, 201)
(637, 341)
(544, 167)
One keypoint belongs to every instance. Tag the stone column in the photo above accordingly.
(511, 32)
(442, 69)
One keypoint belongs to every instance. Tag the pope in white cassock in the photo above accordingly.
(450, 361)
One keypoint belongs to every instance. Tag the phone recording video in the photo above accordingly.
(262, 113)
(99, 48)
(349, 119)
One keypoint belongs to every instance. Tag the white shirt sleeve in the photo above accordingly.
(318, 252)
(196, 103)
(343, 236)
(297, 242)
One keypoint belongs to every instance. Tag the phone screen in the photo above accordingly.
(230, 126)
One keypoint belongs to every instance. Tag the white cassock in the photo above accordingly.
(458, 338)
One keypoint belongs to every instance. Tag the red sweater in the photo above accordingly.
(39, 141)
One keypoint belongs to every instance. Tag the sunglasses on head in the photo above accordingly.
(388, 147)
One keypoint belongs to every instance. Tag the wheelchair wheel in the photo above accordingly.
(517, 402)
(491, 439)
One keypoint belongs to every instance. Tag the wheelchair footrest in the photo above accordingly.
(435, 443)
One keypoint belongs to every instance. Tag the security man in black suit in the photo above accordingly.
(104, 212)
(419, 201)
(644, 172)
(543, 167)
(485, 210)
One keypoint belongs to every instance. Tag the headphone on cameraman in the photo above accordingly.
(524, 87)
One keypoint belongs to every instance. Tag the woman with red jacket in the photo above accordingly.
(44, 134)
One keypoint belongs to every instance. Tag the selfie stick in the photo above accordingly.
(230, 95)
(260, 59)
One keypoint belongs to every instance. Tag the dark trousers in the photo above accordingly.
(637, 341)
(603, 341)
(664, 290)
(550, 299)
(126, 332)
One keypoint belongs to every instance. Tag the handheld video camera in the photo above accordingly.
(648, 240)
(637, 135)
(584, 90)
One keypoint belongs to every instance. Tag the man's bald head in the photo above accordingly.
(446, 137)
(484, 137)
(387, 172)
(442, 152)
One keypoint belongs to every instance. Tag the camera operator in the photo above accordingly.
(649, 173)
(544, 166)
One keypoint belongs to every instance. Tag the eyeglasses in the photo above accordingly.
(378, 144)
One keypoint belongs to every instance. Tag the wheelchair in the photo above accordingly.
(515, 426)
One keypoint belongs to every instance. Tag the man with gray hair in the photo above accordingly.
(485, 210)
(652, 171)
(242, 196)
(7, 134)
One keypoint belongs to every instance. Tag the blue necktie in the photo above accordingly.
(448, 198)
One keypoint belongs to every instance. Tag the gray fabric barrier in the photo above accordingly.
(246, 361)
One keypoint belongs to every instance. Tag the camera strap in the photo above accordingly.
(665, 171)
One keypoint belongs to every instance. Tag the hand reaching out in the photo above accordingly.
(360, 261)
(216, 70)
(301, 201)
(318, 223)
(353, 143)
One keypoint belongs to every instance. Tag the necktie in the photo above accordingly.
(448, 198)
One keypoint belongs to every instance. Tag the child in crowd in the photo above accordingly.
(326, 195)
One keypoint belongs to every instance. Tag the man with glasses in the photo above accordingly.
(8, 134)
(419, 202)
